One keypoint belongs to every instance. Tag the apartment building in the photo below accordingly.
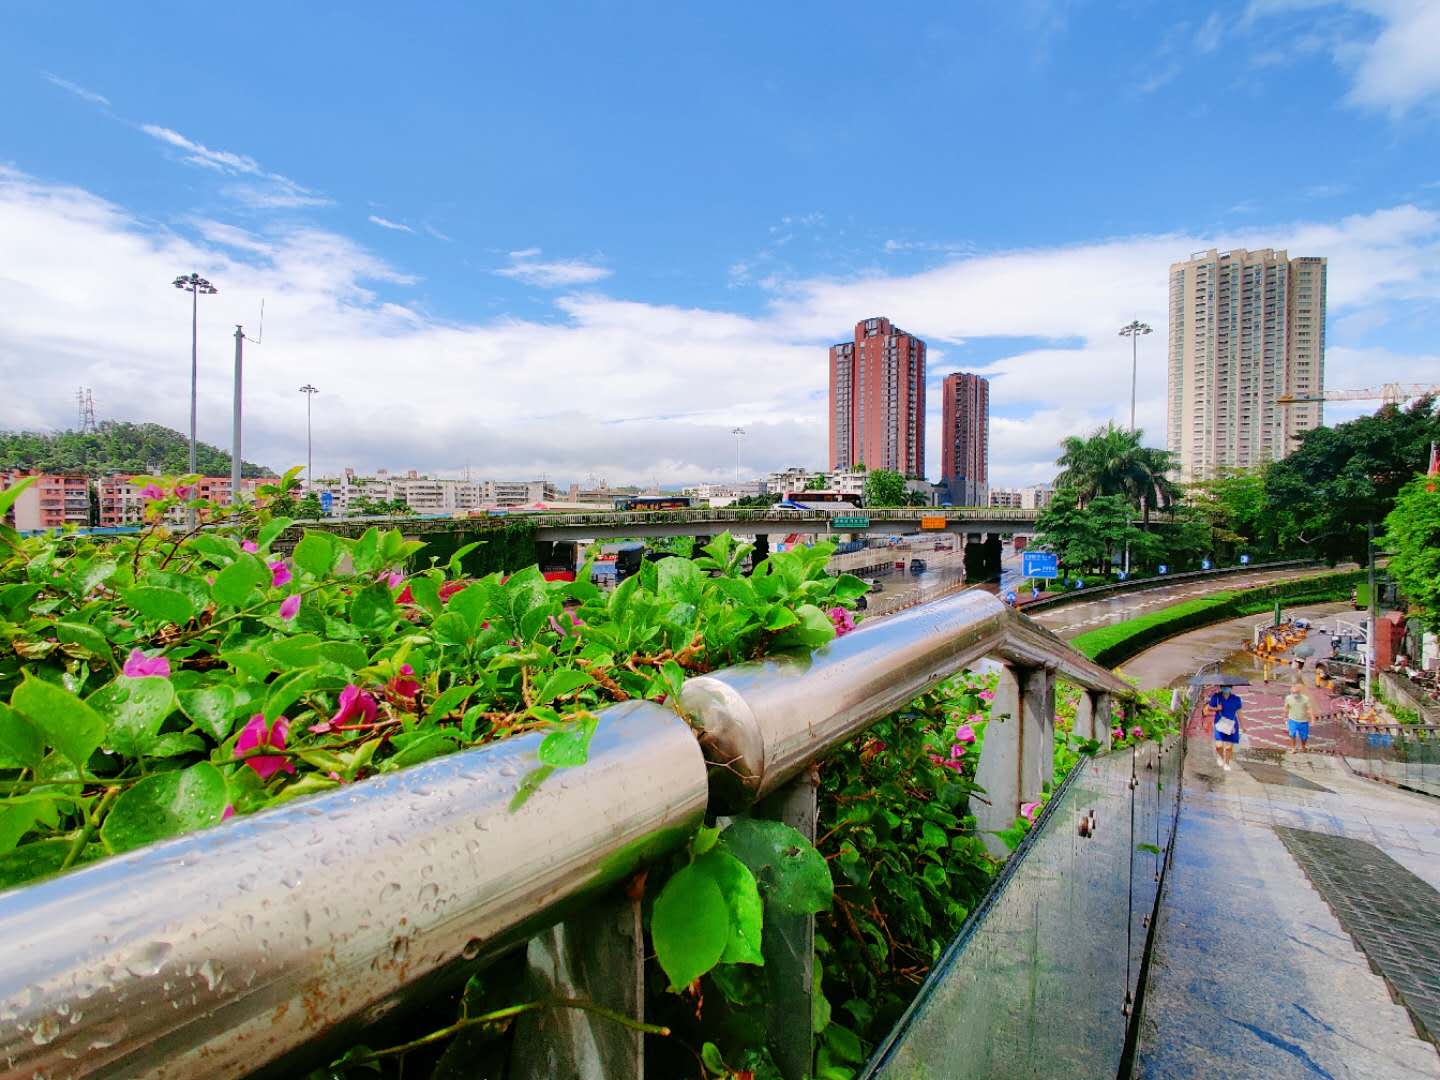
(965, 438)
(53, 501)
(121, 503)
(1037, 497)
(1246, 329)
(877, 400)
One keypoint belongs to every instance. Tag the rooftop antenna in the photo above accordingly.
(235, 457)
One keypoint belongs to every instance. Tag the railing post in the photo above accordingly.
(597, 955)
(1019, 749)
(1093, 717)
(789, 943)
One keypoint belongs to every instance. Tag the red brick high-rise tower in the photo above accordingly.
(965, 438)
(877, 400)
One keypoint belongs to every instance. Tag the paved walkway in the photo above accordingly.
(1282, 951)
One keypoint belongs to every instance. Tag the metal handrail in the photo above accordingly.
(762, 722)
(224, 951)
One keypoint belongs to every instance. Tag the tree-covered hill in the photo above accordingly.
(118, 447)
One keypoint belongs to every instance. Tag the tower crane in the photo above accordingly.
(1390, 394)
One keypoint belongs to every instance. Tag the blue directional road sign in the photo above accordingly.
(327, 501)
(1164, 569)
(1204, 564)
(1040, 564)
(1244, 560)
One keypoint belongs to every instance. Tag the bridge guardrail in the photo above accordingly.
(1133, 584)
(231, 950)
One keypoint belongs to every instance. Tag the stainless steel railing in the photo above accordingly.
(220, 952)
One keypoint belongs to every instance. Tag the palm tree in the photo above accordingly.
(1112, 461)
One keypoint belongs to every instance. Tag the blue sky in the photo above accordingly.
(491, 232)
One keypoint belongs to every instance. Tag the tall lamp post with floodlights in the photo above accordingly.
(1134, 332)
(309, 392)
(196, 286)
(739, 434)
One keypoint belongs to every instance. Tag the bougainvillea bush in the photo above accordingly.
(158, 683)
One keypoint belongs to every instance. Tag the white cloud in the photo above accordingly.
(526, 266)
(436, 233)
(76, 89)
(386, 223)
(1396, 69)
(629, 390)
(1212, 30)
(268, 190)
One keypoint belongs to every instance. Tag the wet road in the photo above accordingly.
(944, 573)
(1071, 619)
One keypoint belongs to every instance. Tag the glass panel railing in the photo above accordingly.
(1038, 981)
(1407, 755)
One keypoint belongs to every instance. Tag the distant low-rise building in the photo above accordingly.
(1036, 497)
(53, 501)
(122, 504)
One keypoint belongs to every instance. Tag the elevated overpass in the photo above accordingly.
(609, 525)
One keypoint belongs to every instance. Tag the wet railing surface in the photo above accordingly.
(1041, 982)
(1406, 755)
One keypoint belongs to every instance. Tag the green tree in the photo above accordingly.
(309, 508)
(1112, 461)
(1339, 479)
(116, 447)
(1412, 536)
(816, 483)
(1234, 505)
(885, 487)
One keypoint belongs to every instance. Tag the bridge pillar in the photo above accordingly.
(982, 557)
(1018, 755)
(1092, 717)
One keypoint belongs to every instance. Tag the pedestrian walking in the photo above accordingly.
(1298, 713)
(1224, 709)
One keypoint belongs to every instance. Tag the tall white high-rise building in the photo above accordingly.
(1246, 328)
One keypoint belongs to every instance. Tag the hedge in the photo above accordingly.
(1111, 645)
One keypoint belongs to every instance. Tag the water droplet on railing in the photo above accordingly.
(400, 950)
(471, 950)
(389, 891)
(428, 892)
(149, 959)
(213, 974)
(107, 1034)
(45, 1031)
(291, 878)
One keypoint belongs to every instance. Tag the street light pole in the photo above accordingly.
(739, 433)
(1134, 331)
(309, 392)
(195, 285)
(1370, 614)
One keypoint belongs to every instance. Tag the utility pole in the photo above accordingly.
(1134, 331)
(739, 434)
(309, 392)
(235, 458)
(195, 285)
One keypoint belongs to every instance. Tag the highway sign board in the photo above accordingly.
(851, 521)
(1040, 564)
(327, 501)
(1244, 560)
(936, 522)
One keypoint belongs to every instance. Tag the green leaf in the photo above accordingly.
(271, 529)
(742, 898)
(161, 605)
(781, 618)
(175, 744)
(793, 876)
(20, 740)
(345, 653)
(373, 609)
(562, 682)
(315, 553)
(134, 709)
(449, 701)
(165, 805)
(932, 836)
(237, 582)
(17, 820)
(690, 926)
(33, 861)
(417, 746)
(568, 747)
(365, 553)
(68, 724)
(815, 629)
(471, 604)
(712, 1059)
(252, 665)
(211, 708)
(296, 651)
(426, 591)
(88, 638)
(844, 1044)
(849, 587)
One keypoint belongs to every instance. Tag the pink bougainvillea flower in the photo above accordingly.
(404, 686)
(975, 718)
(1136, 731)
(151, 492)
(255, 736)
(964, 734)
(571, 624)
(1117, 733)
(290, 606)
(355, 705)
(843, 621)
(229, 812)
(250, 546)
(1029, 810)
(138, 665)
(987, 695)
(184, 491)
(393, 578)
(280, 575)
(957, 751)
